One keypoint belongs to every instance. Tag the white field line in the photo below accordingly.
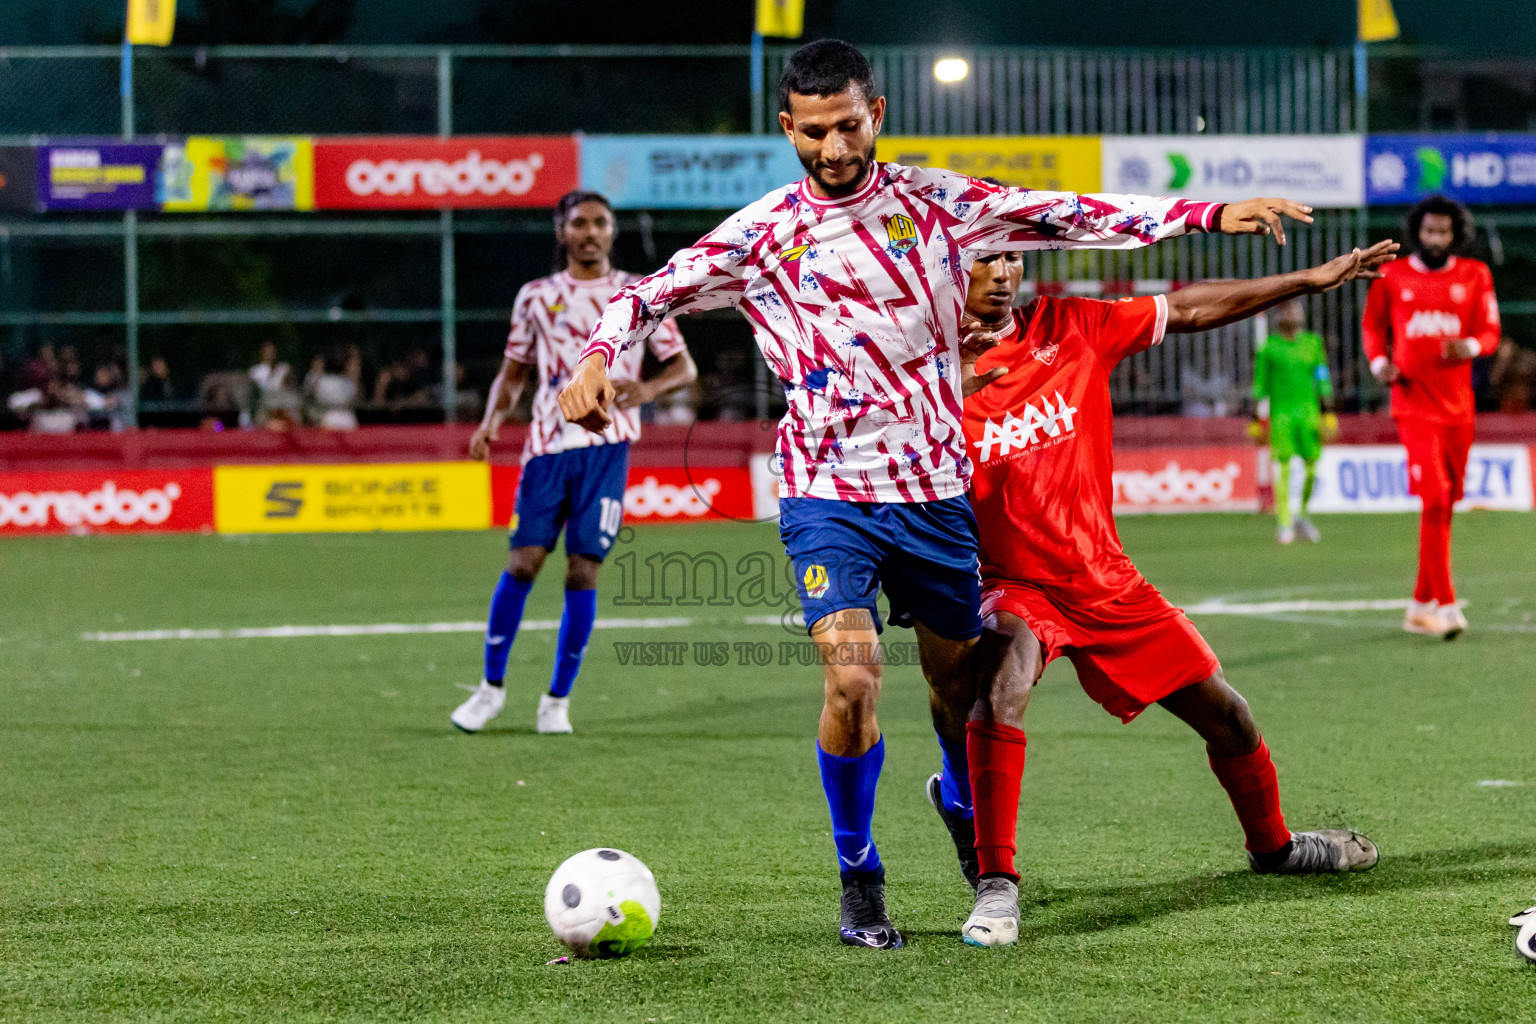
(1215, 607)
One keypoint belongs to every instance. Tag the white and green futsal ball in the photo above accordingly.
(602, 903)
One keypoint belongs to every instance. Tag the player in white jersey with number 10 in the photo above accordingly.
(571, 478)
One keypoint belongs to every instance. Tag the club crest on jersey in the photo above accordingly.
(1046, 353)
(816, 581)
(791, 255)
(555, 308)
(1018, 432)
(1458, 293)
(900, 232)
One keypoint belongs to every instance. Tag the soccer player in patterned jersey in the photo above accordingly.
(1056, 581)
(1293, 396)
(1438, 311)
(571, 478)
(853, 283)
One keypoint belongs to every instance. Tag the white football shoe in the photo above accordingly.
(1452, 622)
(483, 705)
(554, 714)
(995, 920)
(1423, 617)
(1308, 530)
(1287, 535)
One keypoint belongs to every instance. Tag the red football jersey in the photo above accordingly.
(1419, 309)
(1042, 442)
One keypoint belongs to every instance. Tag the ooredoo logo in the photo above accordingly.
(1174, 485)
(463, 177)
(405, 173)
(650, 497)
(105, 506)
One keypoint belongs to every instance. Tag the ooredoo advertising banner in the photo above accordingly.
(353, 498)
(1185, 480)
(240, 173)
(1374, 478)
(1472, 168)
(654, 494)
(686, 172)
(132, 501)
(415, 173)
(98, 176)
(1055, 163)
(1321, 170)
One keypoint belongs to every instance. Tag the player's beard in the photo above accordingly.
(1434, 259)
(864, 161)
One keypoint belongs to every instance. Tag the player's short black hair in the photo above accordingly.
(563, 207)
(825, 68)
(1461, 220)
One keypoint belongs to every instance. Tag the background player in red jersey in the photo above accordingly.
(1056, 581)
(1425, 321)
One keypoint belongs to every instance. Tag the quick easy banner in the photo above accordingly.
(414, 173)
(1319, 170)
(98, 176)
(1402, 169)
(353, 498)
(1374, 478)
(1054, 163)
(686, 172)
(239, 173)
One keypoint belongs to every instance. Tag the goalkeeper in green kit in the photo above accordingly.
(1293, 397)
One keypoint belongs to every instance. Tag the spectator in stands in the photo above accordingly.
(156, 386)
(224, 396)
(40, 368)
(107, 401)
(331, 388)
(70, 368)
(54, 408)
(409, 382)
(276, 395)
(1512, 376)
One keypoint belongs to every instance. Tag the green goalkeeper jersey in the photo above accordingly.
(1293, 375)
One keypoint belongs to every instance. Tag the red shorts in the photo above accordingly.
(1129, 652)
(1437, 459)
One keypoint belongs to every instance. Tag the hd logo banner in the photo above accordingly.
(1053, 163)
(352, 498)
(1320, 170)
(1401, 169)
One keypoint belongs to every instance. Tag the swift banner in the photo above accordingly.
(1320, 170)
(1374, 478)
(1471, 168)
(352, 498)
(686, 172)
(1053, 163)
(416, 173)
(98, 176)
(244, 173)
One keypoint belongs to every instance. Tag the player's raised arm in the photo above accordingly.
(1002, 218)
(1208, 304)
(708, 275)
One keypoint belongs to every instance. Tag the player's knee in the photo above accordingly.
(581, 573)
(852, 690)
(525, 563)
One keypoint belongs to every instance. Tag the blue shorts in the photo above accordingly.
(581, 489)
(922, 554)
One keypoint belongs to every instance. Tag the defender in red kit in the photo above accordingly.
(1056, 581)
(1426, 319)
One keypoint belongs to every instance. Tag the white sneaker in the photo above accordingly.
(1423, 617)
(1452, 622)
(1310, 532)
(554, 714)
(483, 705)
(1287, 535)
(995, 921)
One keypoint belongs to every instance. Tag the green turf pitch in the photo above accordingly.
(289, 830)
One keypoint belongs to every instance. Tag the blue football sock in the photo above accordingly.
(850, 785)
(506, 612)
(575, 631)
(955, 780)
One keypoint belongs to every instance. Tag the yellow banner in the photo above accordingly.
(1053, 163)
(151, 22)
(352, 498)
(1378, 22)
(784, 18)
(239, 173)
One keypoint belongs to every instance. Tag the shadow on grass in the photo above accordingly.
(1098, 908)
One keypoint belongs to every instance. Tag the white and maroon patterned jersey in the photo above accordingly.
(551, 322)
(856, 302)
